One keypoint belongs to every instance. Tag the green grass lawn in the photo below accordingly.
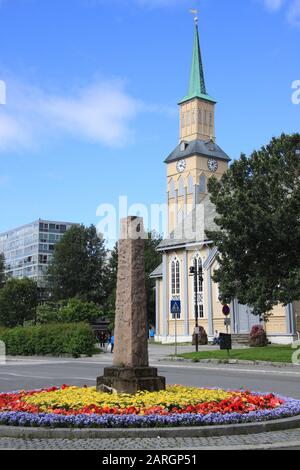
(269, 353)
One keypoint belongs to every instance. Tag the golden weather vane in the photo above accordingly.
(195, 13)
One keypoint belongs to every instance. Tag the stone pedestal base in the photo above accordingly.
(132, 379)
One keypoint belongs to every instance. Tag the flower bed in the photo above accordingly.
(176, 406)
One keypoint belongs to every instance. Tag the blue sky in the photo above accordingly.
(92, 87)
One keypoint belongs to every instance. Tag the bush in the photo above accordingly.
(258, 337)
(47, 313)
(68, 311)
(76, 311)
(54, 339)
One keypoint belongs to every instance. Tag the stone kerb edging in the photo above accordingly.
(229, 362)
(205, 431)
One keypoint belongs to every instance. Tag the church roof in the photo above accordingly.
(197, 88)
(198, 147)
(193, 228)
(158, 272)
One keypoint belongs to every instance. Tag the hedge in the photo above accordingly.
(54, 339)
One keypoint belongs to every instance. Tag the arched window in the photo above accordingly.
(172, 189)
(202, 184)
(181, 188)
(180, 217)
(175, 278)
(190, 185)
(197, 262)
(175, 283)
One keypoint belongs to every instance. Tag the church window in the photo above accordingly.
(175, 280)
(205, 117)
(198, 288)
(180, 217)
(190, 185)
(181, 188)
(202, 184)
(183, 146)
(210, 119)
(172, 189)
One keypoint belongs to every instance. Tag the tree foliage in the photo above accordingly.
(2, 272)
(78, 267)
(111, 286)
(258, 206)
(48, 313)
(152, 260)
(77, 311)
(18, 302)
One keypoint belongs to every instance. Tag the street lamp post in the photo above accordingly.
(198, 277)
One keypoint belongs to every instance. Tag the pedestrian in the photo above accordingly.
(103, 340)
(216, 339)
(112, 342)
(152, 335)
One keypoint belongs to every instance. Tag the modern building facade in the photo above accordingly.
(190, 215)
(28, 249)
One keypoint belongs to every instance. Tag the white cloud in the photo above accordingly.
(161, 3)
(13, 134)
(274, 5)
(292, 11)
(100, 113)
(293, 14)
(141, 3)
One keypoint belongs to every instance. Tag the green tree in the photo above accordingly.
(78, 267)
(152, 260)
(111, 285)
(47, 313)
(77, 311)
(2, 273)
(18, 302)
(258, 207)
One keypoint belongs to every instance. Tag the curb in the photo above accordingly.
(230, 362)
(292, 445)
(207, 431)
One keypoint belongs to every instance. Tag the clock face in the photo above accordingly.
(181, 166)
(212, 165)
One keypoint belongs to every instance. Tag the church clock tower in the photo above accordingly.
(197, 157)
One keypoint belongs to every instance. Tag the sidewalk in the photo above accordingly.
(157, 352)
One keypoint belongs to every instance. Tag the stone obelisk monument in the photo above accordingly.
(131, 371)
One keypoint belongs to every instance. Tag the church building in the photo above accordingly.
(190, 214)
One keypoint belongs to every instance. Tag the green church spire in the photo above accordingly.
(197, 88)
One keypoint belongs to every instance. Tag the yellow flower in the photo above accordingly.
(76, 398)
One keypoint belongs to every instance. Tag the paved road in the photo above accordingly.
(30, 373)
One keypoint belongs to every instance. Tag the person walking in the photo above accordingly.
(216, 340)
(112, 342)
